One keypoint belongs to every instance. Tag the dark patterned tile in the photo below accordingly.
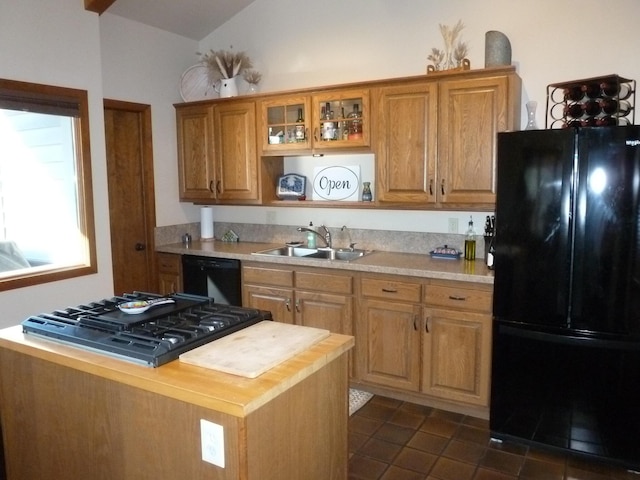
(440, 426)
(394, 433)
(380, 450)
(365, 468)
(416, 460)
(502, 462)
(464, 451)
(428, 442)
(448, 469)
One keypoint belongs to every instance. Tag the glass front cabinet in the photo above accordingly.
(332, 120)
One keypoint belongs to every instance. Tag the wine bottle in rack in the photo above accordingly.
(573, 93)
(573, 110)
(591, 90)
(591, 108)
(610, 89)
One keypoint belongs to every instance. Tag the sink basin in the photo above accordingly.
(342, 254)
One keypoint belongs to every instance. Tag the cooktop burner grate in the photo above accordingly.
(154, 337)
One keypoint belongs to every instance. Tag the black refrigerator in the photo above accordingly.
(566, 332)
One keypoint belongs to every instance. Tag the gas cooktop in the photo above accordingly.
(154, 337)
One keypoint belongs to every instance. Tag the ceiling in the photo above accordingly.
(193, 19)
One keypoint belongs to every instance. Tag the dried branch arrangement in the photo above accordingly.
(454, 52)
(225, 64)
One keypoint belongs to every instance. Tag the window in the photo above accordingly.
(46, 208)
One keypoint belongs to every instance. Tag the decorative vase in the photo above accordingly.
(252, 89)
(227, 87)
(497, 49)
(531, 115)
(366, 192)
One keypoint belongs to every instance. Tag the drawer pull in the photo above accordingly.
(389, 290)
(415, 322)
(456, 297)
(431, 187)
(288, 304)
(298, 306)
(426, 325)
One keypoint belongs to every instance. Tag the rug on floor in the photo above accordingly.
(357, 400)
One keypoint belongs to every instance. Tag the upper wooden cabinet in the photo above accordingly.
(433, 136)
(194, 125)
(406, 140)
(436, 138)
(337, 120)
(217, 153)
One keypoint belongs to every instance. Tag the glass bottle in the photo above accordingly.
(531, 115)
(355, 123)
(366, 192)
(300, 127)
(470, 242)
(328, 130)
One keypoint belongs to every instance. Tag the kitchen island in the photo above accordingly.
(75, 414)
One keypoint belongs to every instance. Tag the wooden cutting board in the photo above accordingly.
(252, 351)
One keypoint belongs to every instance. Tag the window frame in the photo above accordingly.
(59, 98)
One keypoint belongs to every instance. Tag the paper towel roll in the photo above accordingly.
(206, 222)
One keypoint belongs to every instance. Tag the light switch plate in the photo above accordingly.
(212, 440)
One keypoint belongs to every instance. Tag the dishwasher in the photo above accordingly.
(218, 278)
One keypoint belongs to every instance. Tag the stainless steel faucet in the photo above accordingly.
(326, 237)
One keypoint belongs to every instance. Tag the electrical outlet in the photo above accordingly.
(453, 225)
(212, 439)
(271, 217)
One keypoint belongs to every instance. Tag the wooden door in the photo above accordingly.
(472, 112)
(405, 125)
(196, 176)
(390, 338)
(457, 356)
(236, 159)
(278, 301)
(131, 195)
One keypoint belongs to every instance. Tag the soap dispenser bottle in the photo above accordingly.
(311, 238)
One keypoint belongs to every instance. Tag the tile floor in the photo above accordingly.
(394, 440)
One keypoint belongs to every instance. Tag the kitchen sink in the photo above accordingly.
(342, 254)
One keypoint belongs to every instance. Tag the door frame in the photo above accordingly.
(147, 179)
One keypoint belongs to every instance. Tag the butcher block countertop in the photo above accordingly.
(223, 392)
(410, 264)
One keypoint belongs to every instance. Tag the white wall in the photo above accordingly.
(58, 43)
(296, 44)
(142, 64)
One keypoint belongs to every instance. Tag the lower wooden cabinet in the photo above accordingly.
(457, 342)
(388, 333)
(169, 273)
(314, 298)
(427, 338)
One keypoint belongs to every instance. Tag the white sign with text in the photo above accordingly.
(336, 183)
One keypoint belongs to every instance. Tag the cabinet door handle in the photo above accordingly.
(211, 186)
(218, 187)
(288, 304)
(426, 325)
(431, 187)
(442, 186)
(415, 322)
(457, 297)
(315, 134)
(298, 306)
(389, 290)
